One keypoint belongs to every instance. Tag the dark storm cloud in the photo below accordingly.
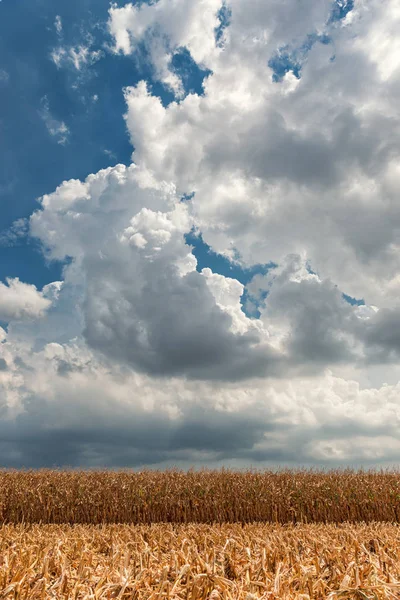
(174, 327)
(382, 336)
(37, 438)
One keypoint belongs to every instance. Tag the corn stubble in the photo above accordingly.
(204, 535)
(199, 562)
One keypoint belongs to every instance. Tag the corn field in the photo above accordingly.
(207, 535)
(51, 496)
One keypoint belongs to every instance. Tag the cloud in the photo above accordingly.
(58, 25)
(20, 300)
(383, 336)
(163, 32)
(285, 169)
(4, 77)
(168, 322)
(144, 304)
(79, 56)
(57, 129)
(89, 414)
(14, 234)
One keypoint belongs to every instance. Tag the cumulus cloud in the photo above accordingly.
(283, 169)
(164, 31)
(141, 358)
(145, 304)
(20, 300)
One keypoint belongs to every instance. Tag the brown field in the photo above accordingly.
(199, 497)
(199, 562)
(207, 535)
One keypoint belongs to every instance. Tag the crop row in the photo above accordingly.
(92, 497)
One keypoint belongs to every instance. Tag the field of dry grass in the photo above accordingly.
(199, 562)
(199, 497)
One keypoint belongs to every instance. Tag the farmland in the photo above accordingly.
(51, 496)
(200, 562)
(203, 535)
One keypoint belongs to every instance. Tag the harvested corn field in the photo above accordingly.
(204, 535)
(51, 496)
(199, 562)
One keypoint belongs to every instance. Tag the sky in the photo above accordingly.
(199, 234)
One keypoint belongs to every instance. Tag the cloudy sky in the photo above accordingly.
(199, 233)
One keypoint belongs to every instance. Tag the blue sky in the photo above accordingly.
(33, 161)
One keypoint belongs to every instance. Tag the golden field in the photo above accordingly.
(199, 562)
(90, 497)
(207, 535)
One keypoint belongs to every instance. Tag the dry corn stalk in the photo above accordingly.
(302, 496)
(165, 561)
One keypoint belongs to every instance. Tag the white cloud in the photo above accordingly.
(58, 25)
(58, 55)
(20, 300)
(188, 24)
(57, 129)
(82, 56)
(309, 170)
(168, 322)
(165, 27)
(380, 38)
(14, 234)
(78, 56)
